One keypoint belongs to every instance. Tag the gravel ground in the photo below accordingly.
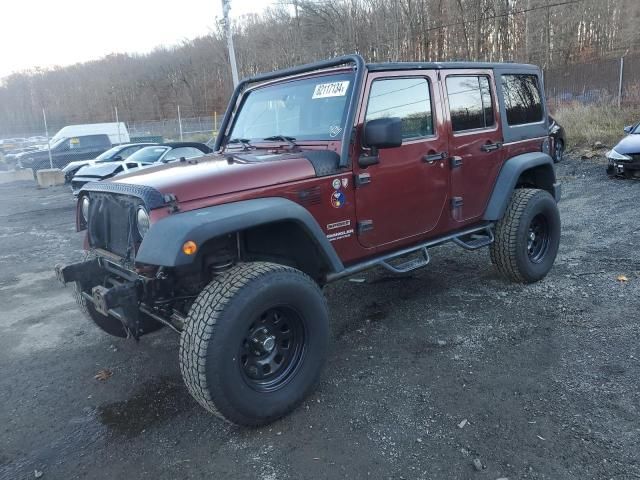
(426, 376)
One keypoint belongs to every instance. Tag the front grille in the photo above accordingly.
(76, 185)
(112, 223)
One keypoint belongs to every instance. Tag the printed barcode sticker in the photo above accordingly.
(333, 89)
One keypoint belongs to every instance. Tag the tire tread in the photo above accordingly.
(503, 250)
(201, 324)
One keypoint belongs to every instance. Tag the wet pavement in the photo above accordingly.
(544, 375)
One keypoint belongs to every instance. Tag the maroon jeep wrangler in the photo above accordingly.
(319, 172)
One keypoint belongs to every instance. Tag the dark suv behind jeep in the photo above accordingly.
(319, 172)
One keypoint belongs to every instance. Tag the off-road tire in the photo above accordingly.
(509, 252)
(216, 326)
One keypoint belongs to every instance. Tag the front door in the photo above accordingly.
(475, 142)
(405, 193)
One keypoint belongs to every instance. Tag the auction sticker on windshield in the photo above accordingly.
(333, 89)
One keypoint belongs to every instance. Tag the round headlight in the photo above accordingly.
(142, 220)
(84, 208)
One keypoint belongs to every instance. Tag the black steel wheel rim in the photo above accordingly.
(272, 349)
(538, 238)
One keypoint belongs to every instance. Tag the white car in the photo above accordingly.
(145, 157)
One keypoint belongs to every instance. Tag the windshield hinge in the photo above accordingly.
(171, 201)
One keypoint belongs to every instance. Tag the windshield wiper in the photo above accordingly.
(282, 138)
(246, 144)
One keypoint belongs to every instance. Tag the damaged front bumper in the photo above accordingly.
(623, 168)
(117, 293)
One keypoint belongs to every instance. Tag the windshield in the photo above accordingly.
(306, 109)
(56, 142)
(147, 154)
(108, 154)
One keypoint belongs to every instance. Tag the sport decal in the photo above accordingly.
(337, 199)
(343, 223)
(336, 184)
(345, 182)
(333, 89)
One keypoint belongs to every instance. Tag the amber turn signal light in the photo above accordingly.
(189, 247)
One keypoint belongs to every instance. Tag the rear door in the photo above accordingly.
(475, 140)
(404, 194)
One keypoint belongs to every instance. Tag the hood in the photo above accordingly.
(77, 164)
(628, 145)
(216, 174)
(100, 170)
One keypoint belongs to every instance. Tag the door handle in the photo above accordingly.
(490, 147)
(434, 157)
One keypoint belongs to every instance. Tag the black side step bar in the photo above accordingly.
(475, 240)
(471, 239)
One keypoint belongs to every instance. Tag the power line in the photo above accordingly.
(506, 14)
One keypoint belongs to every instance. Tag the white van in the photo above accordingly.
(117, 132)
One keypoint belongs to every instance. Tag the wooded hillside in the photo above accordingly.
(195, 75)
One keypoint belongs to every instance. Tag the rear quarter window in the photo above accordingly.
(522, 99)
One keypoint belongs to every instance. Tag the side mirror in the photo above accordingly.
(383, 133)
(117, 158)
(380, 133)
(628, 129)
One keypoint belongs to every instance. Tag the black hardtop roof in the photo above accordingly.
(386, 66)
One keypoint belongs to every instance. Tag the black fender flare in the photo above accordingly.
(162, 245)
(509, 175)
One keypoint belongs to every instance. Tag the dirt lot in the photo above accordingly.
(425, 374)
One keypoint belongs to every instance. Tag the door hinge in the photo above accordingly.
(362, 179)
(455, 162)
(365, 226)
(456, 202)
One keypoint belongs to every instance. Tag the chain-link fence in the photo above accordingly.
(614, 81)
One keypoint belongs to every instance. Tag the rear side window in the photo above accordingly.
(406, 98)
(522, 99)
(470, 102)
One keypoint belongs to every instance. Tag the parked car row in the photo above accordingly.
(11, 145)
(74, 143)
(130, 157)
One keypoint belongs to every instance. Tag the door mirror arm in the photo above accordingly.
(369, 158)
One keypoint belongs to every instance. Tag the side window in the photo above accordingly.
(522, 99)
(132, 165)
(470, 102)
(407, 98)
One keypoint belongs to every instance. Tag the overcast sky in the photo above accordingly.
(61, 32)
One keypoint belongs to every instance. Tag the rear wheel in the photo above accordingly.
(527, 237)
(255, 342)
(558, 151)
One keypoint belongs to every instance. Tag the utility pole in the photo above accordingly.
(226, 6)
(46, 133)
(118, 123)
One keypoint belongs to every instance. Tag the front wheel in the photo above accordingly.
(558, 151)
(527, 237)
(254, 342)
